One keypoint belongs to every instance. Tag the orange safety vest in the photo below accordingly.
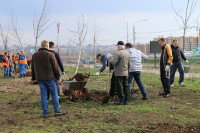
(24, 61)
(5, 63)
(15, 59)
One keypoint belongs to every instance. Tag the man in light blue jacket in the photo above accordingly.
(136, 57)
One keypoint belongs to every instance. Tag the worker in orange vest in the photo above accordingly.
(5, 64)
(22, 64)
(15, 59)
(9, 64)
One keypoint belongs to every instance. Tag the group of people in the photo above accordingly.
(127, 64)
(9, 60)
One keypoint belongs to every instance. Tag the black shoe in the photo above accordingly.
(166, 95)
(106, 99)
(45, 116)
(145, 98)
(59, 113)
(163, 93)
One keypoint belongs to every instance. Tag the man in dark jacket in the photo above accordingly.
(104, 60)
(51, 49)
(177, 56)
(165, 62)
(45, 69)
(121, 62)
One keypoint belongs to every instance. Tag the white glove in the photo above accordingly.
(62, 73)
(167, 68)
(187, 61)
(97, 73)
(109, 55)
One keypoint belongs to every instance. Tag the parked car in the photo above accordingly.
(97, 65)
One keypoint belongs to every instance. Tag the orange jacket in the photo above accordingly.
(15, 59)
(22, 59)
(5, 63)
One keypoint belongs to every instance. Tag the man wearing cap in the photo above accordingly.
(121, 62)
(22, 64)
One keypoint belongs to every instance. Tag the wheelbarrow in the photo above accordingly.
(75, 89)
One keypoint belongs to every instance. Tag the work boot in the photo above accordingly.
(59, 113)
(120, 102)
(126, 99)
(166, 95)
(106, 99)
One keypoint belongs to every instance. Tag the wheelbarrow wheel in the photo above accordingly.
(86, 95)
(72, 95)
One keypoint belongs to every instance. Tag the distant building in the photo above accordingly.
(144, 48)
(191, 42)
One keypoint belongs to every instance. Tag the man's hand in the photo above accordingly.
(187, 61)
(62, 73)
(60, 81)
(109, 55)
(97, 73)
(167, 68)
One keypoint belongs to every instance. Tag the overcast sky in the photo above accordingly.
(111, 16)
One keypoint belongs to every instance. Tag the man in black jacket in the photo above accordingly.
(177, 56)
(60, 64)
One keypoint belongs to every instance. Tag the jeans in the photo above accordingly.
(164, 75)
(58, 90)
(9, 71)
(5, 68)
(173, 71)
(22, 70)
(136, 76)
(51, 86)
(121, 84)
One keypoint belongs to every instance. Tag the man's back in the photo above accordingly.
(136, 57)
(121, 63)
(44, 65)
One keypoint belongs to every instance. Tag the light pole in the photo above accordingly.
(134, 38)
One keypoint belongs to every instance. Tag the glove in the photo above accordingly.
(62, 73)
(187, 61)
(167, 68)
(97, 73)
(109, 55)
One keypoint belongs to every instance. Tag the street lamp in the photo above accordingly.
(134, 38)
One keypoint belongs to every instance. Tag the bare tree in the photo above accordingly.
(96, 35)
(41, 22)
(185, 17)
(80, 34)
(4, 32)
(16, 32)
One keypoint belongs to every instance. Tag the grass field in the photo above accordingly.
(20, 108)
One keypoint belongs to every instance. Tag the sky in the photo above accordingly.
(110, 17)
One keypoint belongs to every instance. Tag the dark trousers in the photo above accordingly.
(165, 79)
(176, 65)
(112, 86)
(58, 90)
(121, 83)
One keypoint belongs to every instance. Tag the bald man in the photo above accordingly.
(45, 69)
